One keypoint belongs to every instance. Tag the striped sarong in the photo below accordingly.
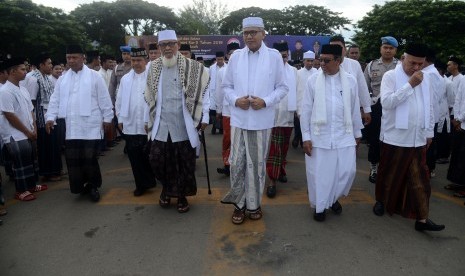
(249, 149)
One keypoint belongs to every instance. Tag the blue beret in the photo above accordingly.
(389, 40)
(125, 49)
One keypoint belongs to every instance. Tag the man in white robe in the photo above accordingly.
(81, 97)
(331, 130)
(253, 85)
(216, 124)
(131, 109)
(284, 121)
(354, 68)
(223, 112)
(403, 183)
(302, 76)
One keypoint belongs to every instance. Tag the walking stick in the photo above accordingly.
(202, 139)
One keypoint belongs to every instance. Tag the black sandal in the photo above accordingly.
(183, 205)
(164, 200)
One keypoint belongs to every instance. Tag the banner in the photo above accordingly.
(207, 45)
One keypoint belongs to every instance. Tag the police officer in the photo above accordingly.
(374, 72)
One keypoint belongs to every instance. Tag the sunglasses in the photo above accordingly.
(326, 60)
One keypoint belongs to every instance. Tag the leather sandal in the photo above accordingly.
(256, 215)
(238, 216)
(164, 201)
(183, 205)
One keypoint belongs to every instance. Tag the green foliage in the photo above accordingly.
(294, 20)
(28, 29)
(108, 23)
(201, 17)
(439, 24)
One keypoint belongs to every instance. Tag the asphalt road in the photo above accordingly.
(65, 234)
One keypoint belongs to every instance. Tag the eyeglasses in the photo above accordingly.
(326, 60)
(166, 44)
(251, 33)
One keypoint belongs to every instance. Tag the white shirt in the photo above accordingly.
(134, 124)
(302, 76)
(222, 105)
(106, 75)
(354, 68)
(416, 134)
(53, 80)
(439, 89)
(455, 86)
(285, 118)
(212, 86)
(273, 91)
(77, 126)
(15, 99)
(459, 104)
(333, 134)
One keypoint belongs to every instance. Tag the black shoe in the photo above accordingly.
(282, 178)
(429, 225)
(336, 207)
(213, 131)
(295, 143)
(372, 177)
(86, 190)
(378, 209)
(271, 191)
(94, 194)
(319, 216)
(224, 170)
(220, 132)
(139, 191)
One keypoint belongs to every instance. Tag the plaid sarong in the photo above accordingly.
(25, 168)
(279, 145)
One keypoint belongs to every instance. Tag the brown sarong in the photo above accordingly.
(403, 182)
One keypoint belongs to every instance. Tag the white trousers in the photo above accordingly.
(330, 174)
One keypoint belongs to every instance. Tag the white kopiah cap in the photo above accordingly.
(166, 35)
(309, 55)
(253, 22)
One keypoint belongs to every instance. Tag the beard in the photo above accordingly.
(170, 62)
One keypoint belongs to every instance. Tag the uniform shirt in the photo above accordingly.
(374, 74)
(353, 67)
(134, 124)
(15, 99)
(302, 77)
(78, 126)
(416, 134)
(272, 90)
(333, 134)
(116, 75)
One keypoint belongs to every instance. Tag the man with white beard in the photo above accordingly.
(176, 87)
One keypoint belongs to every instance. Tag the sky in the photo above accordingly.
(354, 10)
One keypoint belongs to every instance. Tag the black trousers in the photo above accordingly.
(372, 132)
(139, 159)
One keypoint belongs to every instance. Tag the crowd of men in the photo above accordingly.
(161, 99)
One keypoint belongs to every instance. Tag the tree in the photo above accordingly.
(439, 24)
(109, 23)
(28, 29)
(293, 20)
(201, 17)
